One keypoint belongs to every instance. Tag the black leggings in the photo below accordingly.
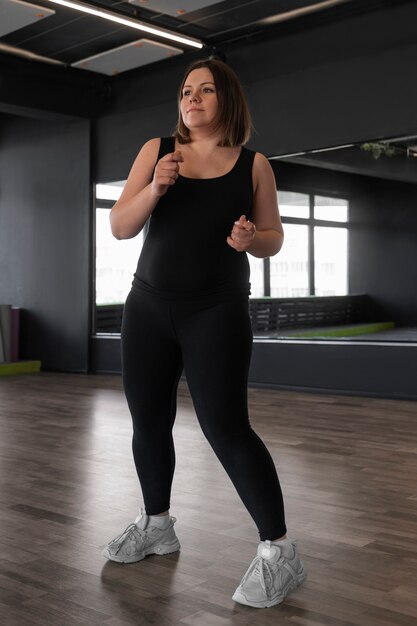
(213, 341)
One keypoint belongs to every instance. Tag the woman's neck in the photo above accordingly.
(205, 137)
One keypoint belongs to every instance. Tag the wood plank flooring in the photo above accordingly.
(348, 468)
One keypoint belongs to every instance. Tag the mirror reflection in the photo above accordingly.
(346, 271)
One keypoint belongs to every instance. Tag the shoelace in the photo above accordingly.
(257, 566)
(118, 542)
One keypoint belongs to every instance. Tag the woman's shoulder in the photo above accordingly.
(151, 145)
(147, 155)
(152, 150)
(154, 141)
(159, 146)
(149, 148)
(262, 171)
(259, 159)
(260, 162)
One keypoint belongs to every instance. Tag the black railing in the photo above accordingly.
(272, 314)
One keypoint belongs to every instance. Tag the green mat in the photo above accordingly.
(343, 331)
(19, 367)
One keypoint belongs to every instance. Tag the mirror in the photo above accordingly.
(355, 209)
(390, 159)
(379, 178)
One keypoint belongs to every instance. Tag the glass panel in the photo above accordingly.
(289, 268)
(292, 204)
(109, 191)
(331, 251)
(256, 276)
(332, 209)
(115, 262)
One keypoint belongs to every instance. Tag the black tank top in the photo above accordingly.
(185, 253)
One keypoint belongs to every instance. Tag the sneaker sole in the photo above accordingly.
(238, 596)
(163, 548)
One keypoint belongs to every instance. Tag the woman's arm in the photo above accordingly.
(142, 192)
(263, 236)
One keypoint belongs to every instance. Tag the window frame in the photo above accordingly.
(311, 222)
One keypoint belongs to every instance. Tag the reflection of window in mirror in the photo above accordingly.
(330, 261)
(313, 259)
(330, 209)
(115, 260)
(256, 276)
(289, 268)
(292, 204)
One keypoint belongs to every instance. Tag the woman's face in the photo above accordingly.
(199, 103)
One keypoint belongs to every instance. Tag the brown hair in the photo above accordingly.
(233, 116)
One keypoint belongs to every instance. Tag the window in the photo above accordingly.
(332, 209)
(110, 191)
(330, 263)
(292, 204)
(287, 277)
(314, 258)
(256, 276)
(115, 261)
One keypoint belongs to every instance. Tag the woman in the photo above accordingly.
(209, 200)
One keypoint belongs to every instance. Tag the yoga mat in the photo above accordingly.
(6, 332)
(21, 367)
(15, 350)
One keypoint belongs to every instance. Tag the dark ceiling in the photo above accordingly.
(68, 36)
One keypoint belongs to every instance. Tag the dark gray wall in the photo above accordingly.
(332, 84)
(333, 367)
(45, 237)
(44, 91)
(372, 369)
(383, 253)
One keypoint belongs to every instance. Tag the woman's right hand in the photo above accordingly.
(166, 172)
(146, 183)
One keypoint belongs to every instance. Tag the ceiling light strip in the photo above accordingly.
(113, 17)
(26, 54)
(314, 8)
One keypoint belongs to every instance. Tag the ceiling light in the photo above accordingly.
(26, 54)
(176, 8)
(127, 57)
(288, 15)
(114, 17)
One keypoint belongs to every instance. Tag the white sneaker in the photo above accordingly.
(140, 539)
(275, 572)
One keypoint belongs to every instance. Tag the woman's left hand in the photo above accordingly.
(242, 235)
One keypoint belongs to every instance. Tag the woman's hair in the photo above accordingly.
(233, 116)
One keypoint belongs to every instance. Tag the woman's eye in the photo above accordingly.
(187, 92)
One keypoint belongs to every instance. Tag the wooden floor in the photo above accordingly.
(348, 468)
